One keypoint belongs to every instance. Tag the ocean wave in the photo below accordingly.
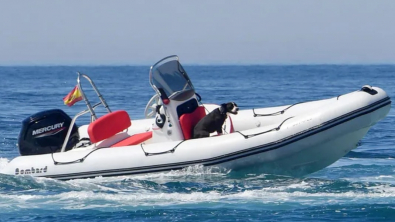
(163, 190)
(269, 196)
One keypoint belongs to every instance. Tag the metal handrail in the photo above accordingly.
(90, 109)
(93, 114)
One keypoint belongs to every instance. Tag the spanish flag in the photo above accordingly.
(73, 97)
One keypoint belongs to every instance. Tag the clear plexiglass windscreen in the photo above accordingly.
(171, 77)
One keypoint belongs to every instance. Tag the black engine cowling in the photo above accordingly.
(45, 132)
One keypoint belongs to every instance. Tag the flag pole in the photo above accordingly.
(88, 104)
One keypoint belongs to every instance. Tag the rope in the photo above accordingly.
(74, 161)
(257, 134)
(279, 112)
(172, 150)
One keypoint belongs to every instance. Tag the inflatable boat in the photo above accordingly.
(295, 139)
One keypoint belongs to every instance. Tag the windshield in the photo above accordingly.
(169, 75)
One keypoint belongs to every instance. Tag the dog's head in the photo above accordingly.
(229, 107)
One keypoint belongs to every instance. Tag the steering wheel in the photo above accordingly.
(150, 108)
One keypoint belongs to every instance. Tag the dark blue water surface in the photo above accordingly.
(358, 187)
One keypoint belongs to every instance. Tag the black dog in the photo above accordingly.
(214, 120)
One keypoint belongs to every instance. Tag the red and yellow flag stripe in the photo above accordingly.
(74, 96)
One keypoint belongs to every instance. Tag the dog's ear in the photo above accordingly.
(230, 105)
(222, 108)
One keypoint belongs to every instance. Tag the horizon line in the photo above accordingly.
(200, 64)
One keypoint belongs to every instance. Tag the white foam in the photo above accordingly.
(274, 195)
(379, 179)
(195, 171)
(385, 176)
(3, 162)
(301, 185)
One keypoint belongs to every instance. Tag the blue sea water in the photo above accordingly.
(358, 187)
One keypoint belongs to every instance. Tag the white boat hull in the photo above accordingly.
(302, 139)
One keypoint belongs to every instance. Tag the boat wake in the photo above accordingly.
(184, 189)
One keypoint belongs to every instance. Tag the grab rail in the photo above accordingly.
(93, 114)
(90, 109)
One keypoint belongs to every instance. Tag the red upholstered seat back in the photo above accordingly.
(189, 120)
(108, 125)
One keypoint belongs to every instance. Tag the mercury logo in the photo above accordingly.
(52, 129)
(30, 171)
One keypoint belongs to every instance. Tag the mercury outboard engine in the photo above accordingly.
(45, 132)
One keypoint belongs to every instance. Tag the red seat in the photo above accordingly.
(189, 120)
(231, 125)
(108, 125)
(134, 140)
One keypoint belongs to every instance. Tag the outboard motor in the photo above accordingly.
(45, 132)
